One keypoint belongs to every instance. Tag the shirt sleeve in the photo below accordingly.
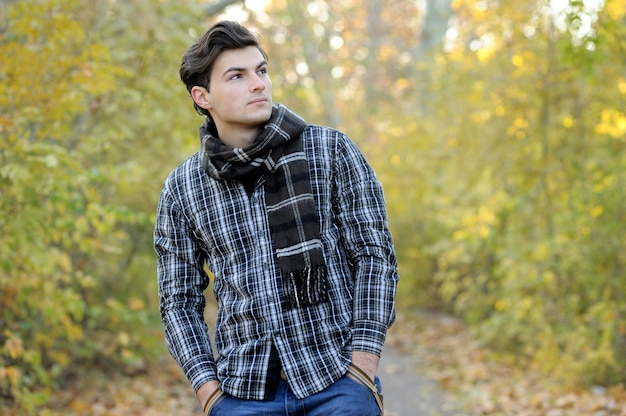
(182, 281)
(363, 221)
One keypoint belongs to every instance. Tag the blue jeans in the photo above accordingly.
(346, 397)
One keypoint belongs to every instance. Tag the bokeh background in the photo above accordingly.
(498, 130)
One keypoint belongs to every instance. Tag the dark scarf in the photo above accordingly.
(278, 154)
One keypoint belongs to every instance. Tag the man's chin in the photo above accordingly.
(267, 115)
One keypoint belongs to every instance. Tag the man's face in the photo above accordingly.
(239, 96)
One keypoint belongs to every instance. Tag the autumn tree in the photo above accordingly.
(89, 120)
(523, 178)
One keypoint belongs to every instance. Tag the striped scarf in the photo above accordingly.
(278, 154)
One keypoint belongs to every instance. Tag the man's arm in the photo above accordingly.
(205, 391)
(182, 281)
(367, 362)
(363, 220)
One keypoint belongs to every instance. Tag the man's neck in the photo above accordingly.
(240, 138)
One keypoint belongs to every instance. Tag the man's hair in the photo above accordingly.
(198, 61)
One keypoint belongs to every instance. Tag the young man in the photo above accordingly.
(291, 221)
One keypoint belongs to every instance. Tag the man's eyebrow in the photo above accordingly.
(241, 69)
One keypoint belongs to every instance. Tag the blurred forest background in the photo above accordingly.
(498, 129)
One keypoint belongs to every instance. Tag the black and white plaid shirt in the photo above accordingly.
(203, 220)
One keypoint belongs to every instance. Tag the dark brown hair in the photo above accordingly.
(199, 59)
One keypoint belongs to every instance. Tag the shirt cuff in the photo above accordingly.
(200, 370)
(368, 336)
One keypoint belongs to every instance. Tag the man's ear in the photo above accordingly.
(200, 96)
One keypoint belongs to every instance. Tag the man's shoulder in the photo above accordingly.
(318, 129)
(185, 169)
(316, 134)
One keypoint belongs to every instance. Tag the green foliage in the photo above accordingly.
(518, 164)
(76, 271)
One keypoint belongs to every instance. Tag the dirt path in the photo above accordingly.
(420, 353)
(421, 348)
(407, 393)
(162, 390)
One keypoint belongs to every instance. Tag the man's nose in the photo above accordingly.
(256, 83)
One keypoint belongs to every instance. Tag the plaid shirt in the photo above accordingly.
(203, 220)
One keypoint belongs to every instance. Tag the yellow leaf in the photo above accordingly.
(123, 338)
(64, 261)
(597, 211)
(13, 346)
(14, 375)
(517, 60)
(136, 304)
(60, 357)
(485, 53)
(615, 9)
(568, 122)
(613, 123)
(402, 83)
